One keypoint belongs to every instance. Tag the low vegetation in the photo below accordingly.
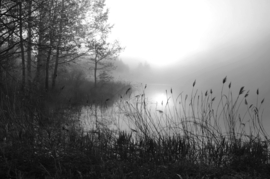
(199, 136)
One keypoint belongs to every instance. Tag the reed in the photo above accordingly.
(192, 136)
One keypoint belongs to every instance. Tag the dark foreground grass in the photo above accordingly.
(185, 141)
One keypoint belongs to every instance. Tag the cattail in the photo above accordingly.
(230, 85)
(262, 101)
(211, 91)
(171, 90)
(194, 83)
(257, 91)
(206, 93)
(246, 103)
(160, 111)
(213, 98)
(241, 90)
(246, 94)
(224, 80)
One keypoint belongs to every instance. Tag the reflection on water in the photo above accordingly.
(111, 118)
(159, 98)
(165, 110)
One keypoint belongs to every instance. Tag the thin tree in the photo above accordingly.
(41, 32)
(29, 43)
(58, 45)
(102, 55)
(21, 44)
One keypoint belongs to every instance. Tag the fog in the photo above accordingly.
(169, 45)
(244, 64)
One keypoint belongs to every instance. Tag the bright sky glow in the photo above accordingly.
(196, 39)
(160, 32)
(164, 32)
(159, 98)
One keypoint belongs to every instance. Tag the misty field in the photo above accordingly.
(189, 138)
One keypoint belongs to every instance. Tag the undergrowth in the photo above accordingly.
(196, 136)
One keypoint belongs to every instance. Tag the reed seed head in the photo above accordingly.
(246, 95)
(224, 80)
(241, 90)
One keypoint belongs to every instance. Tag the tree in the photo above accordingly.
(104, 77)
(9, 35)
(47, 34)
(101, 56)
(21, 43)
(58, 44)
(101, 52)
(57, 34)
(144, 67)
(29, 43)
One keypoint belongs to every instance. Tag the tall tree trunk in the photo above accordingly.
(52, 21)
(41, 48)
(21, 45)
(95, 88)
(40, 59)
(95, 74)
(29, 46)
(47, 68)
(58, 47)
(1, 74)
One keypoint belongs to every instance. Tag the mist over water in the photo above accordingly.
(244, 64)
(237, 48)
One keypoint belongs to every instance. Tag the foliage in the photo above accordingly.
(44, 35)
(36, 145)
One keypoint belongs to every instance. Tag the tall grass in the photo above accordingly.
(192, 136)
(210, 134)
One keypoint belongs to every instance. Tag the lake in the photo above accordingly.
(168, 105)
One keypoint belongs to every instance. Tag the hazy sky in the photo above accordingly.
(206, 40)
(164, 32)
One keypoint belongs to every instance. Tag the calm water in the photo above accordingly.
(158, 95)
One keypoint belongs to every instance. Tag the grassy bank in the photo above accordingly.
(195, 136)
